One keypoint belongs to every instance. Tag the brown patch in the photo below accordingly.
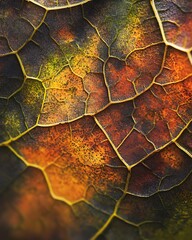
(117, 121)
(135, 147)
(97, 93)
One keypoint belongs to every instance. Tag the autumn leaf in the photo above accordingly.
(95, 119)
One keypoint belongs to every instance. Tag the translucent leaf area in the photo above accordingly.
(95, 119)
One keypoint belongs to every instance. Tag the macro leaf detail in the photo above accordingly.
(95, 119)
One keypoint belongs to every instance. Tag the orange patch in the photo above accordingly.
(128, 78)
(97, 92)
(32, 211)
(66, 34)
(74, 156)
(177, 67)
(120, 85)
(162, 113)
(172, 156)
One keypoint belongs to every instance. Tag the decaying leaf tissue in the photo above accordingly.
(95, 119)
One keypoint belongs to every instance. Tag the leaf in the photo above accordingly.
(95, 119)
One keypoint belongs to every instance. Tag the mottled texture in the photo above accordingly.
(95, 119)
